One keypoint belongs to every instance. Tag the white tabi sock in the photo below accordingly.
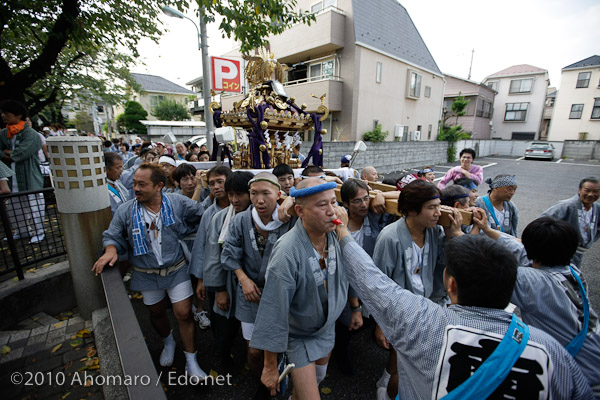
(321, 372)
(382, 394)
(384, 380)
(192, 368)
(168, 353)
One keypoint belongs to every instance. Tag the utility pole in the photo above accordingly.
(206, 82)
(471, 66)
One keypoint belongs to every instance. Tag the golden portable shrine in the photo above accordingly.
(267, 121)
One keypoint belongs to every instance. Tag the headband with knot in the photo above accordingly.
(501, 181)
(309, 191)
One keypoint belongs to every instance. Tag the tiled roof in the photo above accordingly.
(588, 62)
(517, 70)
(153, 83)
(388, 28)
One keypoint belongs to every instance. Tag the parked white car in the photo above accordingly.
(542, 150)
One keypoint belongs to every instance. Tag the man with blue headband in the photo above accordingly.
(305, 291)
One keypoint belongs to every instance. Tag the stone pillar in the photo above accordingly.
(79, 179)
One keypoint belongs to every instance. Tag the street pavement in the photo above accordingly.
(542, 184)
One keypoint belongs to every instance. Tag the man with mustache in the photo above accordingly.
(149, 228)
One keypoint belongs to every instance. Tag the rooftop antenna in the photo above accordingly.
(471, 66)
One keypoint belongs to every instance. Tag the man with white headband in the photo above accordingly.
(502, 214)
(169, 165)
(246, 251)
(305, 292)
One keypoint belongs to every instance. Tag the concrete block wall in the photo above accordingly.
(385, 156)
(579, 149)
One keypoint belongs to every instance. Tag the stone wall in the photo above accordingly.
(385, 156)
(580, 149)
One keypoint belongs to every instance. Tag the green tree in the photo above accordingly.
(134, 112)
(51, 48)
(170, 110)
(83, 121)
(454, 133)
(376, 135)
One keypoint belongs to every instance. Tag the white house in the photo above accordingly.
(577, 107)
(519, 102)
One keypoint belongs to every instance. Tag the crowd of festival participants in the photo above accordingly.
(277, 259)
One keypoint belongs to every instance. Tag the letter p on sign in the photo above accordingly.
(226, 75)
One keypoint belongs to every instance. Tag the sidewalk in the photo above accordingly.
(44, 358)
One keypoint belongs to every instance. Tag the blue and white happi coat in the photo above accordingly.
(186, 215)
(569, 210)
(438, 347)
(296, 314)
(240, 250)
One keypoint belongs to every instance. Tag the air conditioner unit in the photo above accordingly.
(398, 130)
(415, 135)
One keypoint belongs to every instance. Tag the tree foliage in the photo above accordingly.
(170, 110)
(250, 22)
(376, 135)
(454, 133)
(134, 112)
(83, 121)
(51, 48)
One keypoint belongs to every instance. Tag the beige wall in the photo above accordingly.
(357, 97)
(387, 102)
(563, 128)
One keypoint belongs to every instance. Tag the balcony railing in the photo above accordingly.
(313, 79)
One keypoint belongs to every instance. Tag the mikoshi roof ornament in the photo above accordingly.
(271, 118)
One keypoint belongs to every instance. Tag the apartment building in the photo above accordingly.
(519, 102)
(577, 108)
(369, 59)
(479, 111)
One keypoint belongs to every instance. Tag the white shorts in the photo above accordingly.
(247, 329)
(176, 293)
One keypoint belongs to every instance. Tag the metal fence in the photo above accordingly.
(30, 231)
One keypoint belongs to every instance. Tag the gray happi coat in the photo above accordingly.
(372, 226)
(568, 210)
(296, 314)
(197, 260)
(393, 255)
(241, 251)
(217, 278)
(511, 216)
(186, 214)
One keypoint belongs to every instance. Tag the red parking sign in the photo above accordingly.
(226, 75)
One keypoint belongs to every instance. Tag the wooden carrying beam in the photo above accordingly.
(391, 207)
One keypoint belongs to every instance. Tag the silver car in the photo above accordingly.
(543, 150)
